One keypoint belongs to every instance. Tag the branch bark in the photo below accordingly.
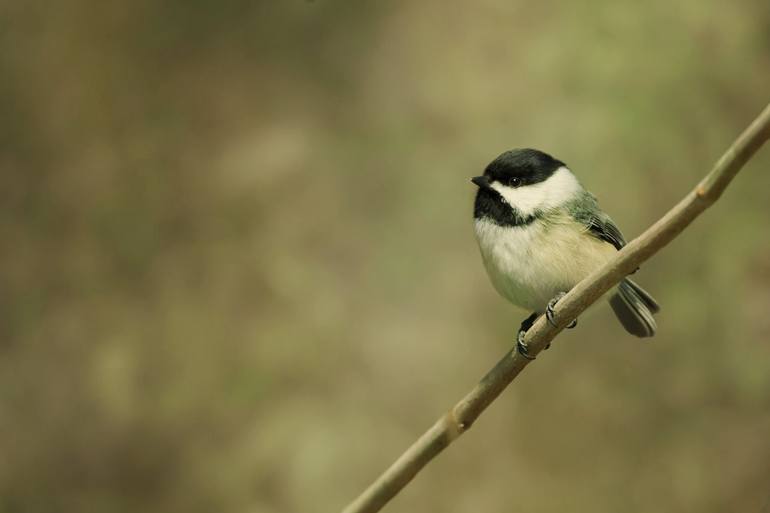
(460, 418)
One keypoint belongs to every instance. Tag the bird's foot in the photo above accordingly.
(521, 346)
(549, 311)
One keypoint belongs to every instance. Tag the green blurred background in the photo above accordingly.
(238, 272)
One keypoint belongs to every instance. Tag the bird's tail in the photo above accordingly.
(634, 308)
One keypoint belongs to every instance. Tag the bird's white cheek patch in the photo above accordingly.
(559, 188)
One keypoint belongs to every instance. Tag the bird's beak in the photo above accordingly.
(482, 182)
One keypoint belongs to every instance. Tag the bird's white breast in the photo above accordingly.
(530, 264)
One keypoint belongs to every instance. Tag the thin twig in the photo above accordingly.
(460, 418)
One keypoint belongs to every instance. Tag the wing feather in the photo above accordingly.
(598, 224)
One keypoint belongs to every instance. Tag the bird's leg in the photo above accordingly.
(521, 346)
(549, 311)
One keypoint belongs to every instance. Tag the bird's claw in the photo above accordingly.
(549, 311)
(521, 346)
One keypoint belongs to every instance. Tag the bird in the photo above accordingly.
(540, 232)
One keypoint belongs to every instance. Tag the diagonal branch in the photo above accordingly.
(460, 418)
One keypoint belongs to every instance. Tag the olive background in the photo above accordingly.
(238, 273)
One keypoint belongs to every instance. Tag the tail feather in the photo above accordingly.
(645, 296)
(634, 307)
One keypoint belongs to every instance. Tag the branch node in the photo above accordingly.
(455, 428)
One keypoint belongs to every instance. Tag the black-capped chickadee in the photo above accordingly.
(540, 233)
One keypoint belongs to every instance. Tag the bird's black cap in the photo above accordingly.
(530, 166)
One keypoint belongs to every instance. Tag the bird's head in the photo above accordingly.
(526, 180)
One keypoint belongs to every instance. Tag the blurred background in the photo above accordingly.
(238, 273)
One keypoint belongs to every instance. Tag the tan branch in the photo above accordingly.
(464, 413)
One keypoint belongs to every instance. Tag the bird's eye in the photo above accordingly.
(514, 181)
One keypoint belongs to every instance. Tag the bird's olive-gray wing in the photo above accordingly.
(605, 229)
(599, 224)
